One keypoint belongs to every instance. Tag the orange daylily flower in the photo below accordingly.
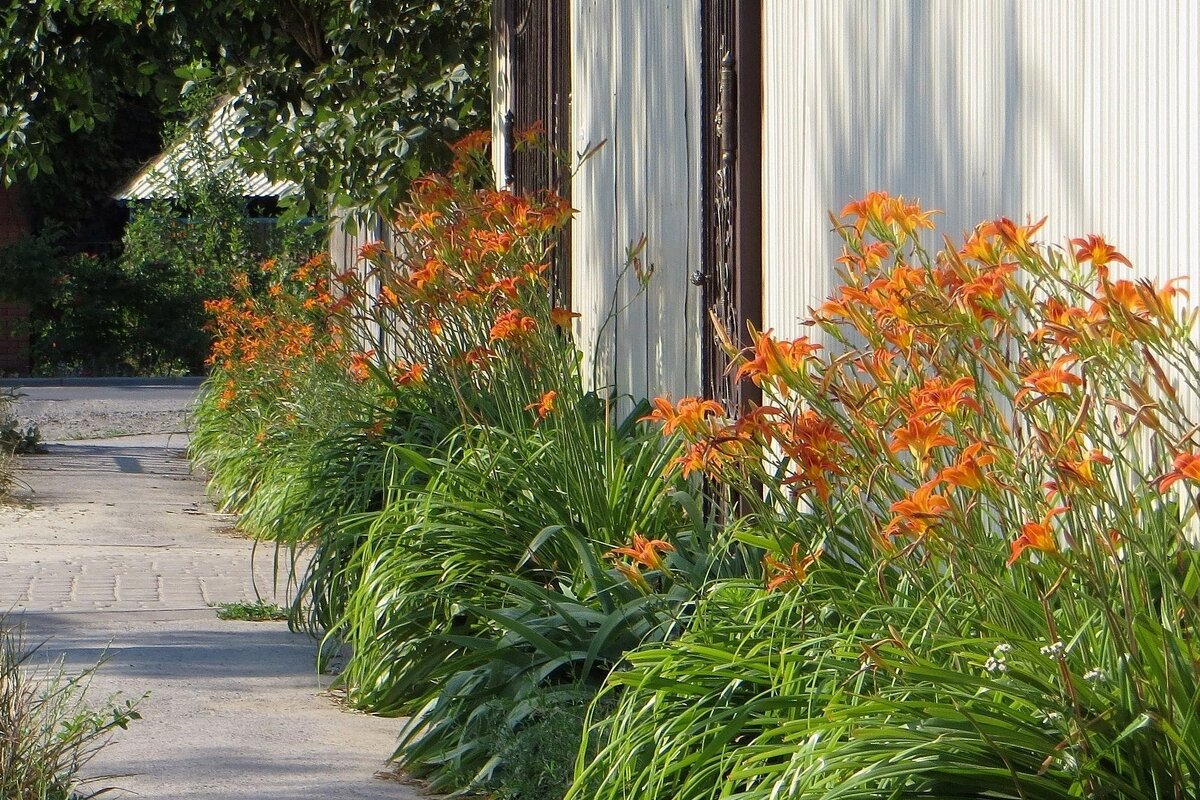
(405, 373)
(936, 397)
(1063, 322)
(561, 317)
(359, 368)
(867, 259)
(1079, 472)
(968, 471)
(469, 148)
(1037, 536)
(774, 359)
(371, 251)
(983, 249)
(690, 415)
(467, 297)
(1050, 381)
(869, 208)
(478, 356)
(388, 297)
(882, 208)
(815, 448)
(511, 325)
(758, 423)
(1012, 234)
(530, 136)
(1166, 295)
(508, 286)
(1093, 248)
(1186, 465)
(793, 572)
(544, 405)
(532, 271)
(1141, 299)
(988, 286)
(428, 273)
(436, 328)
(918, 512)
(425, 220)
(710, 456)
(919, 437)
(644, 551)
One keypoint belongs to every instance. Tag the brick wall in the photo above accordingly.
(14, 317)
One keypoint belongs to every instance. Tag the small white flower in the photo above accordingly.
(1002, 648)
(995, 665)
(1054, 650)
(1095, 675)
(1049, 717)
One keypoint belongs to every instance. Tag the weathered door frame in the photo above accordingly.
(534, 38)
(731, 194)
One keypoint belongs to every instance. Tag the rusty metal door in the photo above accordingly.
(536, 36)
(731, 255)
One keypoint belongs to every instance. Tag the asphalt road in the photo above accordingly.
(93, 409)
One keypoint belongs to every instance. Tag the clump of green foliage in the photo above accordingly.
(260, 611)
(14, 439)
(48, 733)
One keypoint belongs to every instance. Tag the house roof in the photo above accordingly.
(219, 137)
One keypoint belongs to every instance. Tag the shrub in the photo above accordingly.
(979, 580)
(47, 732)
(187, 248)
(141, 310)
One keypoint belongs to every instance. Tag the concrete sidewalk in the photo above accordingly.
(111, 550)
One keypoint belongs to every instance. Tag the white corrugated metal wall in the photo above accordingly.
(1085, 111)
(349, 231)
(635, 85)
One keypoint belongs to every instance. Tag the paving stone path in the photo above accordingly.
(110, 550)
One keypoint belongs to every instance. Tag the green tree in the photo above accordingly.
(348, 99)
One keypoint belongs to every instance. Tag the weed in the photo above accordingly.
(47, 731)
(259, 611)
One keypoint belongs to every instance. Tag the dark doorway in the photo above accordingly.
(731, 163)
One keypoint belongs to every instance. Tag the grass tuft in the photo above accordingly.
(48, 733)
(251, 612)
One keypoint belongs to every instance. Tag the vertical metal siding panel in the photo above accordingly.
(635, 82)
(633, 22)
(787, 33)
(669, 194)
(594, 256)
(908, 98)
(1082, 110)
(502, 89)
(1048, 105)
(693, 322)
(1141, 127)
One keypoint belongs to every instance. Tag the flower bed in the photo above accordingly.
(960, 565)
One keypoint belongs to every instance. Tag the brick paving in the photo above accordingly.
(109, 551)
(134, 533)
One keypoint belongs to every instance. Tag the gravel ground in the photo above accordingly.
(99, 411)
